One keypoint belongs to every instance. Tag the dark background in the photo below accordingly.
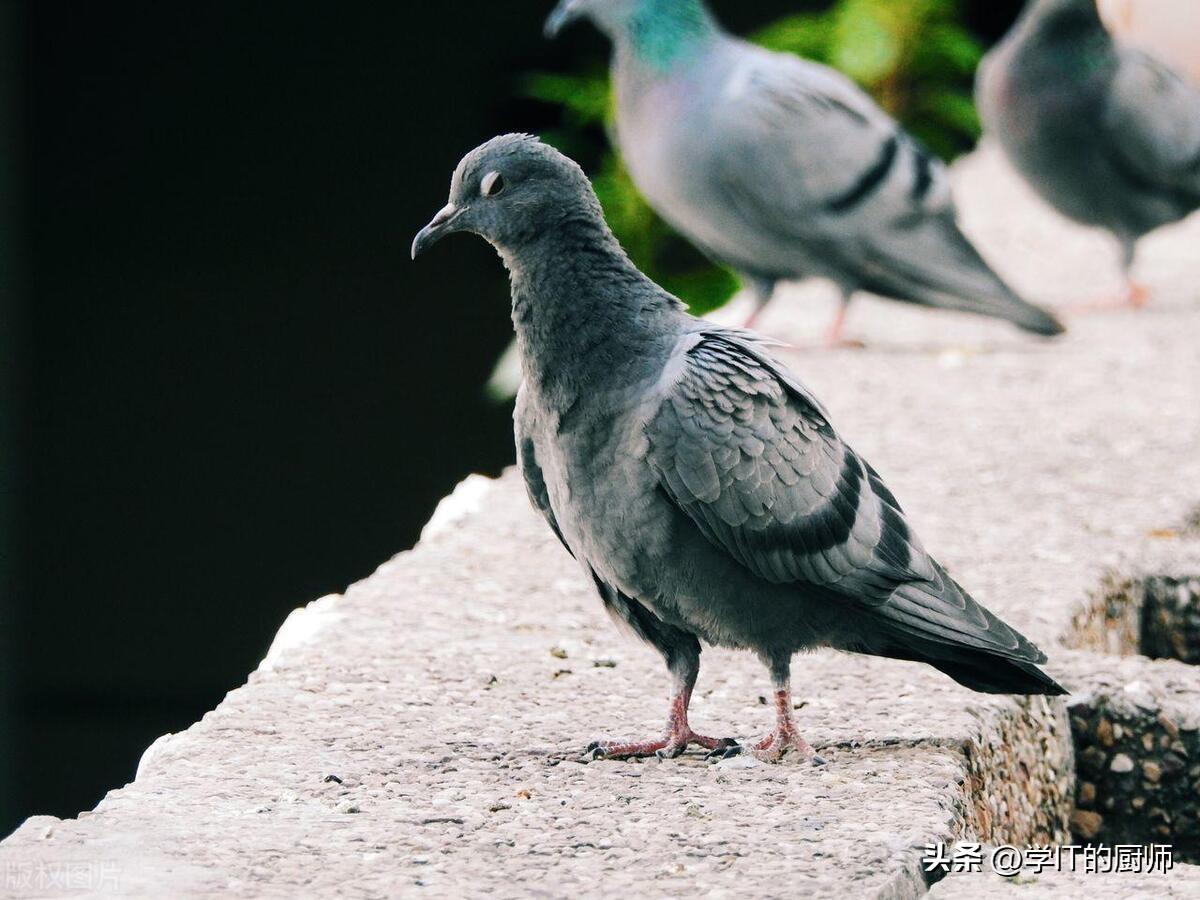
(224, 389)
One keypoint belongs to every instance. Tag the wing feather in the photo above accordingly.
(531, 472)
(1152, 123)
(816, 163)
(753, 460)
(781, 493)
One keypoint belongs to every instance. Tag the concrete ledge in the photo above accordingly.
(423, 731)
(1138, 758)
(1182, 883)
(1171, 618)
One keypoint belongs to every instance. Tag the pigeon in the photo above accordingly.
(1104, 133)
(780, 168)
(701, 487)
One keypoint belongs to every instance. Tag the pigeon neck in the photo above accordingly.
(663, 34)
(1065, 36)
(582, 310)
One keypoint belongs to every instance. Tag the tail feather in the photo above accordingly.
(1033, 318)
(997, 675)
(987, 673)
(938, 623)
(941, 267)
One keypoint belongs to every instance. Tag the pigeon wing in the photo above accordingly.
(1151, 121)
(751, 458)
(525, 426)
(745, 451)
(814, 156)
(814, 160)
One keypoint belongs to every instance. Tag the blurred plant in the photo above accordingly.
(912, 56)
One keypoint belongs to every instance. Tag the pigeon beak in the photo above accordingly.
(564, 14)
(438, 228)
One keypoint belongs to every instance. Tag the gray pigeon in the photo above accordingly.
(1104, 133)
(700, 485)
(781, 168)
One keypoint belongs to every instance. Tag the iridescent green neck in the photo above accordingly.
(664, 33)
(1063, 39)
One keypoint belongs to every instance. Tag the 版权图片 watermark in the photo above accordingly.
(97, 876)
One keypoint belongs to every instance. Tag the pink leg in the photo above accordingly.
(761, 299)
(677, 737)
(833, 337)
(785, 737)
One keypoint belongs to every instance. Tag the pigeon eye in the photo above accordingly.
(492, 184)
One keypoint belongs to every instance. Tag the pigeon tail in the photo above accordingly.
(990, 674)
(979, 670)
(1034, 319)
(952, 274)
(938, 623)
(1000, 303)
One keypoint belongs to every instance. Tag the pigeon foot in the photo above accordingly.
(677, 738)
(1135, 296)
(667, 747)
(771, 749)
(749, 322)
(779, 742)
(785, 738)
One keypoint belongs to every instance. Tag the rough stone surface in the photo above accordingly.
(1171, 618)
(1181, 883)
(1137, 737)
(1154, 612)
(422, 732)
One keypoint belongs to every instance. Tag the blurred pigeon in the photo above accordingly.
(698, 482)
(781, 168)
(1107, 135)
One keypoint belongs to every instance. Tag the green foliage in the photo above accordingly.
(912, 56)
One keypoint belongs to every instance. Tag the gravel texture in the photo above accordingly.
(423, 732)
(1136, 731)
(1171, 618)
(1182, 883)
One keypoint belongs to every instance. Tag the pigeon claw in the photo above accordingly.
(595, 750)
(726, 748)
(781, 741)
(668, 746)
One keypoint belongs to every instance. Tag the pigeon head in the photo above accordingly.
(610, 16)
(511, 191)
(656, 29)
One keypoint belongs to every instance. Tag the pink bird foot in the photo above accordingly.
(785, 738)
(1135, 296)
(678, 737)
(667, 747)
